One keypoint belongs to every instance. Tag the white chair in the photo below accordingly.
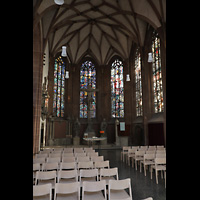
(45, 177)
(39, 160)
(66, 191)
(85, 165)
(139, 155)
(147, 160)
(117, 189)
(97, 158)
(69, 176)
(90, 154)
(53, 160)
(109, 174)
(124, 151)
(44, 191)
(88, 175)
(68, 150)
(160, 165)
(78, 150)
(71, 154)
(43, 155)
(93, 190)
(50, 166)
(83, 159)
(36, 167)
(67, 165)
(131, 153)
(68, 159)
(101, 165)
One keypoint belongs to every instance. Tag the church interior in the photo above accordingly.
(99, 71)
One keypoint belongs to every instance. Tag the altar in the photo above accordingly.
(93, 139)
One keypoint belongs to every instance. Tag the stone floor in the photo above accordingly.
(142, 187)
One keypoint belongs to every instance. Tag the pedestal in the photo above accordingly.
(103, 142)
(123, 141)
(76, 141)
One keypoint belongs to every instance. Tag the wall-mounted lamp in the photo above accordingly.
(150, 58)
(64, 52)
(128, 77)
(67, 74)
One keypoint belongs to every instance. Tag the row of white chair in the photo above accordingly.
(68, 150)
(68, 158)
(71, 165)
(90, 190)
(156, 160)
(53, 177)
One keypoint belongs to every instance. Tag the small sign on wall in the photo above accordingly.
(122, 126)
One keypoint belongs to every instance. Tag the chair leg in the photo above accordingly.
(156, 176)
(151, 172)
(165, 178)
(145, 170)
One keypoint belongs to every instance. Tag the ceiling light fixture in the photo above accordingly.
(59, 2)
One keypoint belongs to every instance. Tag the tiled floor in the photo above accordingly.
(142, 187)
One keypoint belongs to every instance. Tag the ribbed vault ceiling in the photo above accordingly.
(97, 28)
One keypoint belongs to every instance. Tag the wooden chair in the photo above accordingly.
(69, 176)
(88, 175)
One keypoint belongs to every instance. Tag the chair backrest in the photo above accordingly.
(90, 154)
(43, 155)
(96, 158)
(120, 185)
(36, 166)
(67, 165)
(149, 198)
(160, 155)
(41, 190)
(53, 155)
(160, 161)
(102, 164)
(139, 153)
(79, 154)
(78, 150)
(149, 156)
(85, 165)
(109, 172)
(47, 175)
(56, 159)
(67, 154)
(68, 175)
(83, 159)
(67, 188)
(125, 148)
(68, 159)
(89, 173)
(68, 150)
(39, 160)
(50, 166)
(94, 187)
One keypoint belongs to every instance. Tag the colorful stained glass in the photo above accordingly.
(138, 83)
(117, 89)
(157, 74)
(87, 77)
(59, 87)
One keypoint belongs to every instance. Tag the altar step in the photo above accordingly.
(95, 146)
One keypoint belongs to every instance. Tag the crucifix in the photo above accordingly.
(89, 101)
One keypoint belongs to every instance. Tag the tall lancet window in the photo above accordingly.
(157, 74)
(59, 87)
(138, 83)
(117, 90)
(87, 78)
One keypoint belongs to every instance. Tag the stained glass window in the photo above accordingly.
(59, 87)
(117, 89)
(87, 78)
(138, 84)
(157, 74)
